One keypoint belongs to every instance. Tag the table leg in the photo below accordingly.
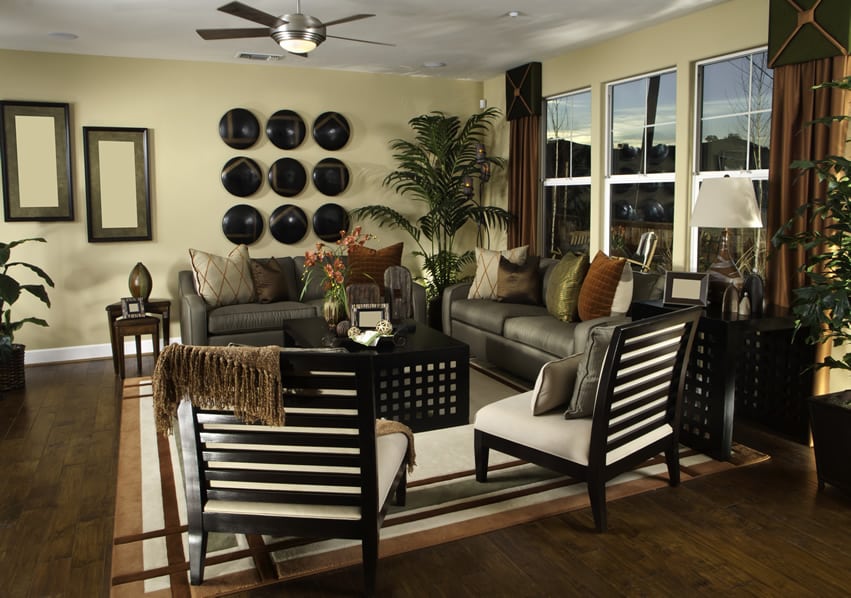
(166, 324)
(111, 318)
(139, 354)
(119, 352)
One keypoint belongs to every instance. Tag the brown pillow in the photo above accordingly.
(368, 265)
(599, 286)
(518, 283)
(269, 282)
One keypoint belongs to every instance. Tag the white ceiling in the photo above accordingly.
(474, 38)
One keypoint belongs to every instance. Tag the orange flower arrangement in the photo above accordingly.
(333, 267)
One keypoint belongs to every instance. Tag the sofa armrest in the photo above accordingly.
(193, 311)
(582, 331)
(452, 293)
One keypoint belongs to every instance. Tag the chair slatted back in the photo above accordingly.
(641, 384)
(323, 455)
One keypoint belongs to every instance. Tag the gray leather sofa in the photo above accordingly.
(258, 324)
(521, 338)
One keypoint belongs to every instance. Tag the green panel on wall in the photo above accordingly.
(804, 30)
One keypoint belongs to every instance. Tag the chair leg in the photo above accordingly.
(369, 546)
(597, 495)
(197, 556)
(481, 453)
(402, 489)
(672, 459)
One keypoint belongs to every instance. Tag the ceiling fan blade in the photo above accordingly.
(362, 41)
(214, 34)
(243, 11)
(348, 19)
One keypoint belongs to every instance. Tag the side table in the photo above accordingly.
(136, 327)
(747, 366)
(161, 307)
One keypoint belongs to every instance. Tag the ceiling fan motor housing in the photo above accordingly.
(301, 27)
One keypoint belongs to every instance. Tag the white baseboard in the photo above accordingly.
(86, 352)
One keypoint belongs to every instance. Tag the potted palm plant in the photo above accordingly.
(822, 309)
(437, 168)
(12, 354)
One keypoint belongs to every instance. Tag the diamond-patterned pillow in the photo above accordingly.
(487, 270)
(223, 280)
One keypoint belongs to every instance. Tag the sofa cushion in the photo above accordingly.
(368, 265)
(543, 332)
(491, 315)
(270, 284)
(223, 280)
(598, 288)
(256, 316)
(563, 286)
(519, 283)
(487, 270)
(588, 374)
(554, 385)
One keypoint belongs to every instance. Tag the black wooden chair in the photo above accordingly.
(324, 474)
(636, 413)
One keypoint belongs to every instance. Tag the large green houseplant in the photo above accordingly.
(11, 354)
(436, 169)
(822, 308)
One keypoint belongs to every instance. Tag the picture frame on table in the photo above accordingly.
(367, 315)
(118, 197)
(35, 143)
(132, 307)
(686, 288)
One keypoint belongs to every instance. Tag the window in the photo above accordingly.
(734, 133)
(567, 174)
(640, 182)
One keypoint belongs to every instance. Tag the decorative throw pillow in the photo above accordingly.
(223, 280)
(270, 285)
(588, 373)
(598, 288)
(487, 270)
(554, 385)
(623, 293)
(562, 296)
(519, 283)
(368, 265)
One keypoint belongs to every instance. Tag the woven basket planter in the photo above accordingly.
(12, 375)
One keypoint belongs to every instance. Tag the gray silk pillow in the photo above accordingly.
(554, 385)
(588, 374)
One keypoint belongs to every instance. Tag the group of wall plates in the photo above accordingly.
(242, 176)
(288, 223)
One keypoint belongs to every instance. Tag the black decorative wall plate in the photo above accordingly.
(287, 177)
(328, 220)
(331, 176)
(242, 224)
(288, 224)
(331, 130)
(241, 176)
(239, 128)
(286, 129)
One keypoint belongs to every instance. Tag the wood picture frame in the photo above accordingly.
(367, 315)
(132, 307)
(686, 288)
(35, 143)
(118, 195)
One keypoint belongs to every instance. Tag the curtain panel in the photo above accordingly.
(523, 186)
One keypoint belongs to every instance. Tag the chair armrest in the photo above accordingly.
(452, 293)
(582, 332)
(193, 311)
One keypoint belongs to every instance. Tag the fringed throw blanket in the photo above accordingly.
(246, 380)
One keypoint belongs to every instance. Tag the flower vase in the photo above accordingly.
(333, 311)
(140, 282)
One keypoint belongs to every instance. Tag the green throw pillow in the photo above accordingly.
(562, 296)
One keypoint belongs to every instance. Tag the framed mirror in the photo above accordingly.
(118, 199)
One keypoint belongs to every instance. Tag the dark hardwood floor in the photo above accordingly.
(758, 531)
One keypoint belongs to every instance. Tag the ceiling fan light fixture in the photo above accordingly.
(299, 33)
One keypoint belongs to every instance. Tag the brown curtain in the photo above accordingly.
(523, 172)
(795, 104)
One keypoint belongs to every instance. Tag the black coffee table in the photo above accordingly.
(423, 382)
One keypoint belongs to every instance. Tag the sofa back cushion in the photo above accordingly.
(223, 280)
(563, 286)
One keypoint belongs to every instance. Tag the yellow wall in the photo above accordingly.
(727, 28)
(181, 103)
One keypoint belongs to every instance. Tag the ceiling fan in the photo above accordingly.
(296, 33)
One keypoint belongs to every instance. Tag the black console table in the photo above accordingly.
(748, 366)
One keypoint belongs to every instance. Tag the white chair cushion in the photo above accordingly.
(511, 419)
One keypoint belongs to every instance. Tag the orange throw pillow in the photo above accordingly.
(368, 265)
(599, 286)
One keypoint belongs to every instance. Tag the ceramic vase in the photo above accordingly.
(140, 282)
(333, 311)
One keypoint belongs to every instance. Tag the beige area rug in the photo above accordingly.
(445, 503)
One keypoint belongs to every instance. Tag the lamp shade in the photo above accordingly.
(726, 203)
